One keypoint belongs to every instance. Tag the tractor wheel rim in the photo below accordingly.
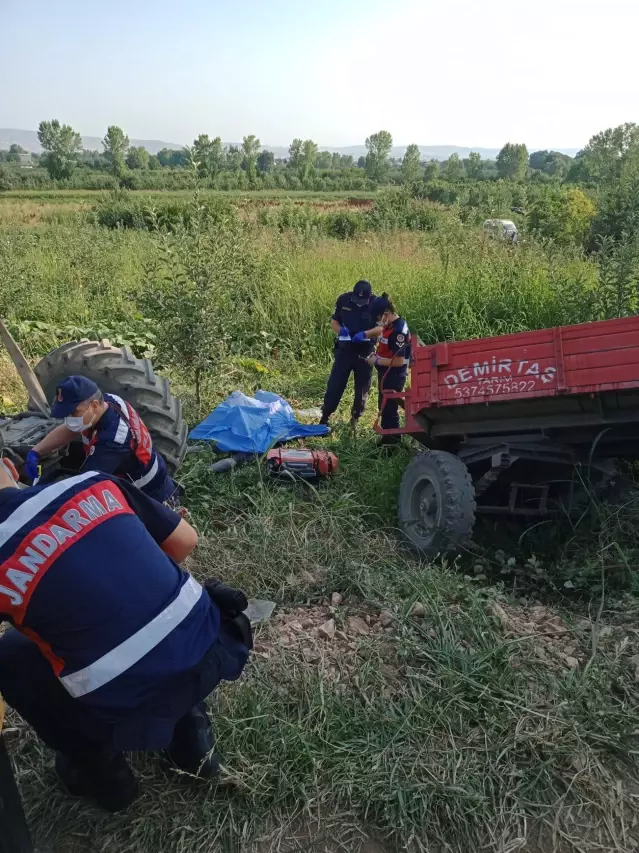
(426, 508)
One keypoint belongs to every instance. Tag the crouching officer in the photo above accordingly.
(115, 646)
(391, 360)
(352, 315)
(114, 437)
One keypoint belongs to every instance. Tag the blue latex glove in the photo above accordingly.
(31, 465)
(359, 338)
(344, 332)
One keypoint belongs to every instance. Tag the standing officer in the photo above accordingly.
(352, 315)
(115, 646)
(391, 360)
(115, 439)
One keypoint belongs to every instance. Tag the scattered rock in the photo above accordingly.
(340, 635)
(357, 625)
(336, 599)
(327, 630)
(572, 662)
(385, 618)
(417, 610)
(310, 655)
(308, 579)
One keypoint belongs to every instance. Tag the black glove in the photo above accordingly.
(231, 601)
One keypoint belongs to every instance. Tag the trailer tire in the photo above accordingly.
(117, 371)
(436, 505)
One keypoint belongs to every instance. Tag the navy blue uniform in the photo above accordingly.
(114, 642)
(395, 342)
(120, 444)
(347, 357)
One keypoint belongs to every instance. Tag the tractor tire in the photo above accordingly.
(436, 506)
(117, 371)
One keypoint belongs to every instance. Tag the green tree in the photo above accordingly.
(431, 172)
(454, 168)
(512, 161)
(336, 159)
(61, 144)
(411, 165)
(324, 160)
(562, 214)
(234, 159)
(361, 162)
(294, 153)
(474, 166)
(138, 158)
(379, 147)
(116, 144)
(604, 158)
(347, 161)
(265, 161)
(208, 154)
(307, 158)
(250, 151)
(13, 155)
(552, 163)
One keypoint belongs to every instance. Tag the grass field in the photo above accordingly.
(480, 706)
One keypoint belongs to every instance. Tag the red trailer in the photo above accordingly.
(522, 424)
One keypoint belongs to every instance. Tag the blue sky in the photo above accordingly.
(549, 73)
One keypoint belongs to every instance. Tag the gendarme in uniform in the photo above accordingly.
(353, 314)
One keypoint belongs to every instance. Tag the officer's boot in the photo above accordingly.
(103, 776)
(193, 743)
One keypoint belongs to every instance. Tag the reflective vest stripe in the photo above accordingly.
(146, 479)
(30, 508)
(128, 653)
(123, 428)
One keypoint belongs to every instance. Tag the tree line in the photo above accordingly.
(607, 157)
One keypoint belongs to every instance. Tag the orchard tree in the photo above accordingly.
(411, 166)
(454, 168)
(250, 151)
(474, 166)
(512, 161)
(61, 144)
(379, 147)
(265, 161)
(138, 158)
(116, 144)
(13, 155)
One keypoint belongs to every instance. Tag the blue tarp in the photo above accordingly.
(244, 424)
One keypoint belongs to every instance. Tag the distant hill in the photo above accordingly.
(29, 139)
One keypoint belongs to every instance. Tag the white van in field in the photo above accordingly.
(502, 228)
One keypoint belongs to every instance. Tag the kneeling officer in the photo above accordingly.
(114, 646)
(114, 438)
(352, 315)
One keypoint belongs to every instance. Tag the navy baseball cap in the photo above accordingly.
(362, 292)
(379, 306)
(70, 393)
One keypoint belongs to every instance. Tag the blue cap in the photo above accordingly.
(70, 393)
(380, 305)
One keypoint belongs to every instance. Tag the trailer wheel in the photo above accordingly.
(436, 506)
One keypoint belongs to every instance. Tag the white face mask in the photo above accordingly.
(76, 423)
